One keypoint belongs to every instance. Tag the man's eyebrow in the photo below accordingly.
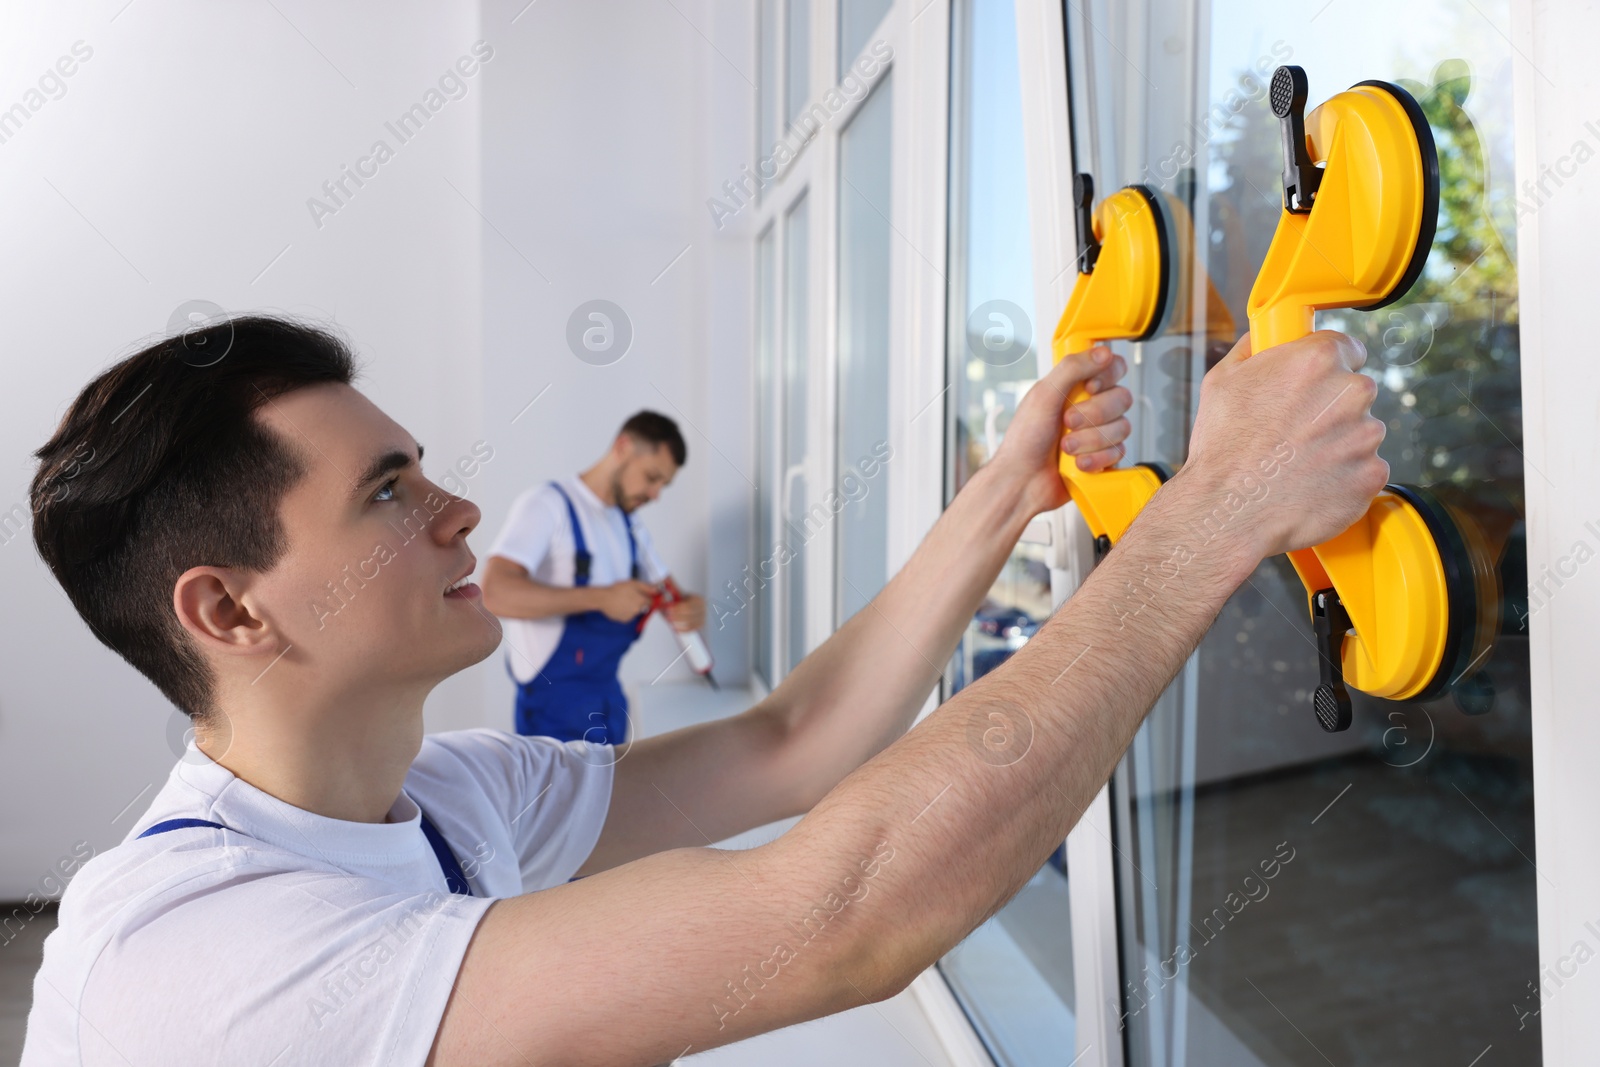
(392, 460)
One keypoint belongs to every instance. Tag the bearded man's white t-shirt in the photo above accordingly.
(293, 938)
(538, 535)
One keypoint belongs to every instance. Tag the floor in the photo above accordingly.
(19, 959)
(892, 1034)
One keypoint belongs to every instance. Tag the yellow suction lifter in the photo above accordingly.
(1395, 599)
(1125, 291)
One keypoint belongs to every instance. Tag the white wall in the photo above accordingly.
(605, 129)
(177, 166)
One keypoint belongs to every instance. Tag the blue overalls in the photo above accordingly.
(577, 696)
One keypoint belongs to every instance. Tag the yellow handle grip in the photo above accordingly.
(1109, 499)
(1126, 295)
(1279, 324)
(1077, 480)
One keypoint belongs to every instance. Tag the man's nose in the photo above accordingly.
(459, 516)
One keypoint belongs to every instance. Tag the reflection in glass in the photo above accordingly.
(1013, 975)
(863, 417)
(993, 341)
(795, 457)
(993, 338)
(1289, 896)
(766, 417)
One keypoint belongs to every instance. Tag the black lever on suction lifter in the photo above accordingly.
(1331, 700)
(1082, 204)
(1301, 177)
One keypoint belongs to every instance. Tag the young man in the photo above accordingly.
(572, 575)
(331, 886)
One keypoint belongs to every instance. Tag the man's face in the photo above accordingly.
(646, 471)
(360, 593)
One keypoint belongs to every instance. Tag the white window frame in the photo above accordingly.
(1047, 134)
(1555, 261)
(918, 38)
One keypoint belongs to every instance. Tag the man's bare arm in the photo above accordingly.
(862, 687)
(933, 835)
(509, 592)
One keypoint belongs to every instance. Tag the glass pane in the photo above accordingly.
(797, 59)
(796, 312)
(766, 473)
(857, 20)
(767, 103)
(1289, 896)
(862, 503)
(1013, 975)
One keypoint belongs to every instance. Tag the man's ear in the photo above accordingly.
(209, 604)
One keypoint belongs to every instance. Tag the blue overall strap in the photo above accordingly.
(180, 824)
(581, 559)
(580, 550)
(454, 877)
(633, 547)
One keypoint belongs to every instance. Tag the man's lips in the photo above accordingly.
(472, 564)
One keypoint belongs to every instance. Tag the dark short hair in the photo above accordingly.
(160, 465)
(656, 429)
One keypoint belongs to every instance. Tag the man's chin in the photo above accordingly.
(465, 651)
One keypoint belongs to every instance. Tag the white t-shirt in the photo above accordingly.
(294, 938)
(538, 535)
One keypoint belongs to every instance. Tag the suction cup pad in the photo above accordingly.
(1430, 189)
(1460, 588)
(1166, 241)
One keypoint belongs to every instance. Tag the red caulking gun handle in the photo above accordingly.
(658, 603)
